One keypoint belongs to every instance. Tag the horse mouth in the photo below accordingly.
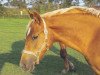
(29, 68)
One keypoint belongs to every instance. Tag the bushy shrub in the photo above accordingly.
(2, 10)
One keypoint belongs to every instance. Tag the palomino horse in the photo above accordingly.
(75, 27)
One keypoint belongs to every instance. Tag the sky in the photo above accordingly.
(81, 3)
(4, 1)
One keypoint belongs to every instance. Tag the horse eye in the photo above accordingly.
(34, 37)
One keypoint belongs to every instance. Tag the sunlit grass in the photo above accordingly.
(12, 34)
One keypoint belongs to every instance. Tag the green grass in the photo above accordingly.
(12, 34)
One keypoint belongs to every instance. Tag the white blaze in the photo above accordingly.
(28, 26)
(28, 31)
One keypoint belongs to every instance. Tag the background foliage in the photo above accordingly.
(13, 8)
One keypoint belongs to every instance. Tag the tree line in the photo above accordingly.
(42, 5)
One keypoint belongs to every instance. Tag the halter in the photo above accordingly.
(36, 54)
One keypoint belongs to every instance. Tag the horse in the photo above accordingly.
(76, 27)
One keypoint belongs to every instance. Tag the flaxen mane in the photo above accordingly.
(92, 11)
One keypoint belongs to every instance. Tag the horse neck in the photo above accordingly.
(69, 29)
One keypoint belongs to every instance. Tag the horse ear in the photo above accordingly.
(34, 15)
(37, 17)
(30, 14)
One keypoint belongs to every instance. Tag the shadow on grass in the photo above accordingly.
(50, 65)
(12, 57)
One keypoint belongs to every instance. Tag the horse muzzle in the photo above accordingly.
(27, 64)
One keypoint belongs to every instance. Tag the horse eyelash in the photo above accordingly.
(34, 37)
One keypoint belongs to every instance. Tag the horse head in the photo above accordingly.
(36, 42)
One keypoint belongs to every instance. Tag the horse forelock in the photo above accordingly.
(92, 11)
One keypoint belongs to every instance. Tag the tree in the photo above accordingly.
(2, 10)
(67, 3)
(91, 2)
(19, 3)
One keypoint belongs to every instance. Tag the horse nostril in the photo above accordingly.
(23, 66)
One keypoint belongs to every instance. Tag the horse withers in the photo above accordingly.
(75, 27)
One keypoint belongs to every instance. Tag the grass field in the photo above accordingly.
(12, 34)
